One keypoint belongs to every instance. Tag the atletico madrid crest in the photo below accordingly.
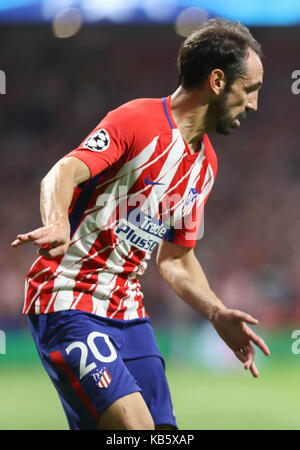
(105, 380)
(102, 378)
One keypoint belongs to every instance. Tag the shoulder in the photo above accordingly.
(143, 115)
(136, 107)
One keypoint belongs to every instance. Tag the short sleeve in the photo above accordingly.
(106, 144)
(189, 229)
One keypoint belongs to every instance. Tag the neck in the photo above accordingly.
(189, 110)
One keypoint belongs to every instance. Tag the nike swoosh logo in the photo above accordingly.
(147, 181)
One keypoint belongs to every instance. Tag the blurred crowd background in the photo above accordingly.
(59, 89)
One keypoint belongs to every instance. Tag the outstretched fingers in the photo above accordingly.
(254, 370)
(32, 236)
(246, 356)
(240, 355)
(233, 328)
(52, 239)
(241, 316)
(258, 341)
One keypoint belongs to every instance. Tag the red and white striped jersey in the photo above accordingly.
(145, 186)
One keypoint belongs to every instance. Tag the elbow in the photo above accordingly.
(160, 262)
(164, 267)
(170, 259)
(159, 265)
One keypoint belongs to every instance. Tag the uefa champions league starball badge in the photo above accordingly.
(98, 141)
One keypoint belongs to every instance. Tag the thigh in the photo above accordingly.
(84, 365)
(149, 372)
(127, 413)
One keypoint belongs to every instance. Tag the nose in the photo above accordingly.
(252, 101)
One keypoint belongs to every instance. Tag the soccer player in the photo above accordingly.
(137, 182)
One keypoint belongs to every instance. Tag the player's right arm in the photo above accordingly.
(57, 189)
(180, 267)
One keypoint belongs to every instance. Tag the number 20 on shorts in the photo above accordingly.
(90, 345)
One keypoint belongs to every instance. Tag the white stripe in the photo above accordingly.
(35, 297)
(63, 300)
(34, 263)
(100, 307)
(165, 176)
(193, 174)
(50, 302)
(103, 381)
(209, 181)
(39, 273)
(192, 182)
(130, 303)
(28, 279)
(107, 379)
(38, 293)
(100, 383)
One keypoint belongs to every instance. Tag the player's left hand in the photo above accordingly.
(52, 239)
(232, 328)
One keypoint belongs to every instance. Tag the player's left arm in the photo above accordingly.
(181, 269)
(56, 193)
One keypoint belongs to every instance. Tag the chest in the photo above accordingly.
(157, 186)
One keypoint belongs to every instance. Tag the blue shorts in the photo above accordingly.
(92, 361)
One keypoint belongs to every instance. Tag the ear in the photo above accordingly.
(217, 81)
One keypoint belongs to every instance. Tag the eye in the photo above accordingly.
(253, 88)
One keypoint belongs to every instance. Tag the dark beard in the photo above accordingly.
(219, 111)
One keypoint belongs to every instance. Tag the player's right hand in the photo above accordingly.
(53, 239)
(231, 325)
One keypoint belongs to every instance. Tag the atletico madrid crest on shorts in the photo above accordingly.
(104, 380)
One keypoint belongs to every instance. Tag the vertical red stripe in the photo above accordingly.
(58, 359)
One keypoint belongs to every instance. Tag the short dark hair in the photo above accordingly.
(216, 44)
